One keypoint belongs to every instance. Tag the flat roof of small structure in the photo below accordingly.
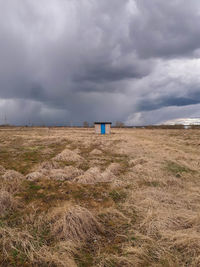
(102, 122)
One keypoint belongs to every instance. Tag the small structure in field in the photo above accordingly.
(102, 127)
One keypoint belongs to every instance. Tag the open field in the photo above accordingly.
(69, 197)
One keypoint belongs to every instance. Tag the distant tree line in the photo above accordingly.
(85, 124)
(119, 124)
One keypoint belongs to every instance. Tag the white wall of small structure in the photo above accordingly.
(98, 128)
(108, 128)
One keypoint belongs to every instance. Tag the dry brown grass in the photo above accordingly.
(96, 152)
(7, 202)
(25, 248)
(67, 173)
(94, 175)
(2, 170)
(128, 199)
(74, 223)
(61, 174)
(115, 168)
(69, 156)
(48, 165)
(11, 175)
(35, 176)
(11, 181)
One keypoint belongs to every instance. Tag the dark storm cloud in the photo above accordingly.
(166, 28)
(90, 60)
(165, 102)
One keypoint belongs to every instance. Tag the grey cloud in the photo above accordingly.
(162, 115)
(88, 60)
(166, 102)
(166, 28)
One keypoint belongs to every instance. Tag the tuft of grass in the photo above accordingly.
(176, 168)
(84, 258)
(118, 195)
(30, 192)
(151, 183)
(74, 223)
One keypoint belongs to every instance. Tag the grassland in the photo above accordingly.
(69, 197)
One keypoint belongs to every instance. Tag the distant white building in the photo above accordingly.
(183, 121)
(187, 126)
(102, 127)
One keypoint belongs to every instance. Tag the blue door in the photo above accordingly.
(103, 128)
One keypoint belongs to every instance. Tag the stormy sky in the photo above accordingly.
(67, 61)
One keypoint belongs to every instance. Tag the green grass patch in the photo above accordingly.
(84, 258)
(152, 184)
(118, 195)
(30, 192)
(17, 257)
(21, 157)
(176, 168)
